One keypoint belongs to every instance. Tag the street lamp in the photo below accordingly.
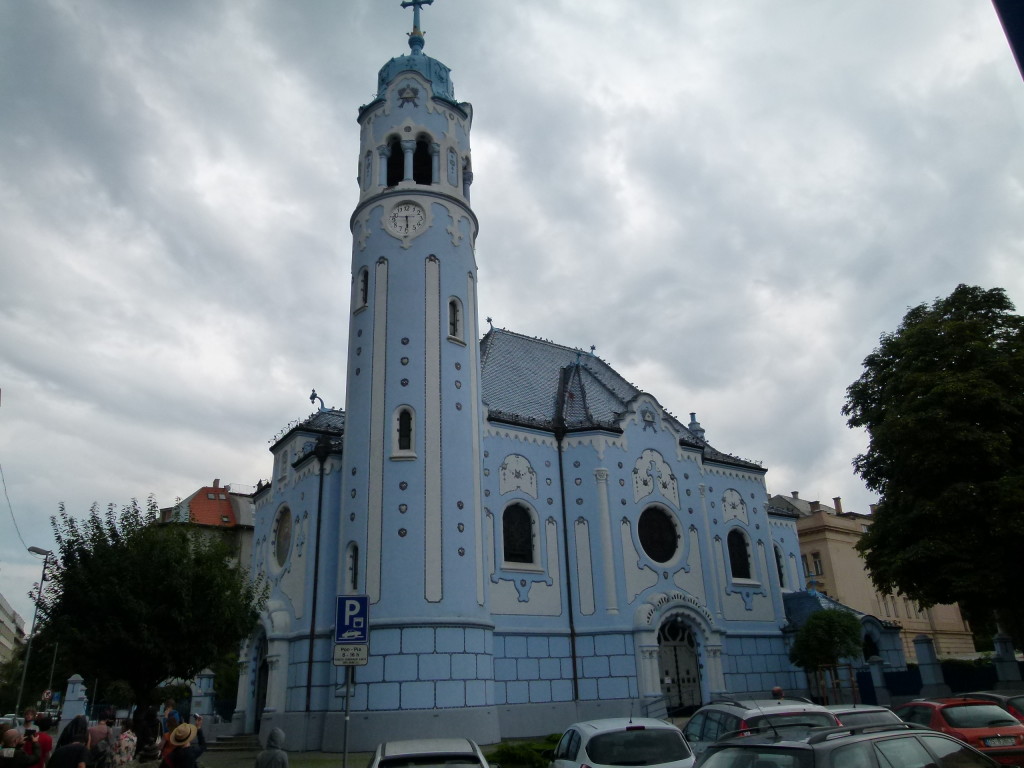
(35, 613)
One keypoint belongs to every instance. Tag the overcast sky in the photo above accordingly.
(730, 199)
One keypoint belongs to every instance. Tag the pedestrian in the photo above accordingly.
(101, 744)
(28, 719)
(126, 744)
(41, 725)
(165, 745)
(778, 693)
(169, 710)
(75, 731)
(188, 744)
(13, 754)
(73, 745)
(274, 755)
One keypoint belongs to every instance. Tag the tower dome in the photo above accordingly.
(431, 69)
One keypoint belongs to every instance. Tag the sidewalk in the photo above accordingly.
(247, 758)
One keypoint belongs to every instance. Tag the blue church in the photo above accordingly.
(539, 541)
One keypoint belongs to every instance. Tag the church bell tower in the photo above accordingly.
(411, 506)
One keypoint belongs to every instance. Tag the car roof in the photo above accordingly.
(857, 708)
(436, 746)
(604, 724)
(770, 705)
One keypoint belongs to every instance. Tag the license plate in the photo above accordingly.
(1001, 741)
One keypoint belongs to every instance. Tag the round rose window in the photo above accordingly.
(658, 535)
(282, 536)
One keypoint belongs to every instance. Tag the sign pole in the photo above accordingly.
(348, 703)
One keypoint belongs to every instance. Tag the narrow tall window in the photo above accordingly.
(455, 330)
(739, 559)
(362, 288)
(405, 430)
(422, 164)
(353, 568)
(816, 562)
(780, 564)
(396, 162)
(517, 535)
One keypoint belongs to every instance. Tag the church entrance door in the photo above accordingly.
(678, 666)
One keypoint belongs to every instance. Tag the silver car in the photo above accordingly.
(429, 753)
(622, 741)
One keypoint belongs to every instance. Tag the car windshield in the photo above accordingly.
(977, 716)
(755, 757)
(1017, 702)
(650, 746)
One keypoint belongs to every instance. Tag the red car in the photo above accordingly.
(981, 724)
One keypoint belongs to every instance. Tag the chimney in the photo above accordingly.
(815, 506)
(216, 482)
(872, 507)
(837, 502)
(796, 494)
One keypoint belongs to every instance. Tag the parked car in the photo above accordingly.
(1011, 701)
(863, 714)
(429, 753)
(985, 726)
(901, 745)
(12, 720)
(622, 741)
(729, 717)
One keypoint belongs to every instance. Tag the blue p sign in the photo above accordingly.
(352, 621)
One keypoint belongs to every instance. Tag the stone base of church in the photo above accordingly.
(325, 731)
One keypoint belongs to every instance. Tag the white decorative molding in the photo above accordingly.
(652, 473)
(433, 587)
(517, 474)
(639, 577)
(584, 566)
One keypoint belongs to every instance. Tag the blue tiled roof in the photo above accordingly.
(537, 383)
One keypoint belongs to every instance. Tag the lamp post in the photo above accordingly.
(35, 613)
(321, 450)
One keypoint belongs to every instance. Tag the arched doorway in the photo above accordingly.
(678, 666)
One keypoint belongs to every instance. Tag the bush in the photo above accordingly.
(523, 754)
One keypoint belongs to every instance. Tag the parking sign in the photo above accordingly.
(352, 631)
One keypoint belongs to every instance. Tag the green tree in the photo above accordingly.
(135, 600)
(825, 638)
(942, 400)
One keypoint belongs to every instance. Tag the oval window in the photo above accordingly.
(658, 535)
(282, 536)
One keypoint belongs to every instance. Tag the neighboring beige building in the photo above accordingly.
(832, 565)
(221, 509)
(12, 631)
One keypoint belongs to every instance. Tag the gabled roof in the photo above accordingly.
(213, 506)
(800, 605)
(538, 383)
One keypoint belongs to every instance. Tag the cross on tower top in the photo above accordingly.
(416, 36)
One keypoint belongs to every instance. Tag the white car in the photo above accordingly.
(429, 753)
(622, 741)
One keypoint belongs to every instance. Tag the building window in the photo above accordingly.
(780, 565)
(517, 535)
(658, 534)
(422, 164)
(403, 433)
(816, 563)
(396, 162)
(362, 290)
(739, 555)
(455, 330)
(352, 568)
(282, 536)
(803, 563)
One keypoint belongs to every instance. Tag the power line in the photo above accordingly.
(11, 508)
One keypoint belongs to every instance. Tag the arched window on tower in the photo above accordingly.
(455, 329)
(780, 564)
(352, 568)
(396, 162)
(403, 434)
(422, 165)
(362, 297)
(518, 538)
(739, 555)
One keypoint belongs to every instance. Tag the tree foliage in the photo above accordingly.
(942, 400)
(825, 638)
(136, 600)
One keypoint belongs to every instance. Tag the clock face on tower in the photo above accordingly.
(406, 219)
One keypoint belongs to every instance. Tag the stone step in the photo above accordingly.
(242, 742)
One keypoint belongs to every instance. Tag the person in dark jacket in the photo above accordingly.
(189, 743)
(13, 754)
(274, 755)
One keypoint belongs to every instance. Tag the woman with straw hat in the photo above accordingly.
(188, 744)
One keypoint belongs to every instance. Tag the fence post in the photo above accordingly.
(933, 684)
(877, 667)
(1005, 661)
